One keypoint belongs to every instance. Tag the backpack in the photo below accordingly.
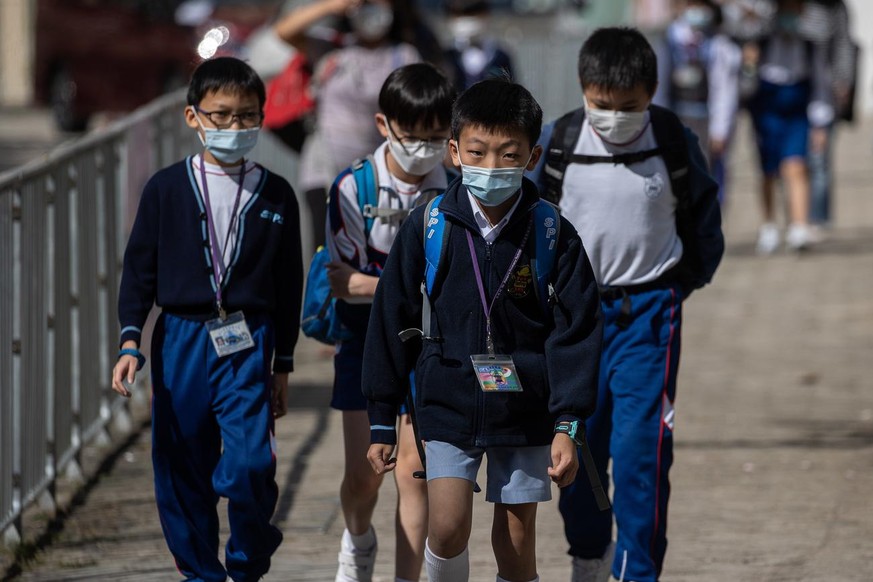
(547, 229)
(672, 147)
(319, 320)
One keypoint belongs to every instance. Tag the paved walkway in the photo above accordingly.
(773, 478)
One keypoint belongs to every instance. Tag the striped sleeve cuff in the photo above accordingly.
(130, 332)
(383, 419)
(283, 364)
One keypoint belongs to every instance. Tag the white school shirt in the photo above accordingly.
(488, 232)
(223, 184)
(625, 215)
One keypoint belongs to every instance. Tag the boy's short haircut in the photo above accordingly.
(618, 58)
(498, 105)
(417, 93)
(225, 74)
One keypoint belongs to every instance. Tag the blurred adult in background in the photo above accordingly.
(699, 79)
(354, 46)
(474, 54)
(826, 23)
(794, 97)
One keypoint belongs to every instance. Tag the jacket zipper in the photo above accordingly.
(486, 283)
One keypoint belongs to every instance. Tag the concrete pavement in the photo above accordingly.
(773, 477)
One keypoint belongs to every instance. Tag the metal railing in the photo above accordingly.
(64, 222)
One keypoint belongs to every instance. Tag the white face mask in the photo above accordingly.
(417, 158)
(616, 127)
(466, 28)
(371, 22)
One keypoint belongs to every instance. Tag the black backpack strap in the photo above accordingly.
(561, 145)
(673, 143)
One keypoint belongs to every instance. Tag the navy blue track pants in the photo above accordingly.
(212, 437)
(633, 424)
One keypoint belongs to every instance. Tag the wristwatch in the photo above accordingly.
(573, 429)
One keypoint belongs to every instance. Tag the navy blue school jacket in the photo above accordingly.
(167, 261)
(556, 352)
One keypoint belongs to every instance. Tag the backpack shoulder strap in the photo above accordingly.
(673, 147)
(561, 145)
(547, 229)
(364, 171)
(436, 236)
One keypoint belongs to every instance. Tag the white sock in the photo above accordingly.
(499, 579)
(455, 569)
(363, 542)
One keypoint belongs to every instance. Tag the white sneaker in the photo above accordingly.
(798, 237)
(595, 570)
(355, 565)
(768, 239)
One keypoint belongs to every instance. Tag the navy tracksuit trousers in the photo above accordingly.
(212, 437)
(633, 424)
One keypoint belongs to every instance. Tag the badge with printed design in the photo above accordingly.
(230, 335)
(519, 283)
(496, 373)
(654, 185)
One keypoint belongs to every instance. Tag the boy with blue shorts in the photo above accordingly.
(415, 105)
(502, 367)
(633, 180)
(216, 245)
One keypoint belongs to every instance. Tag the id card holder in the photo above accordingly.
(496, 373)
(230, 335)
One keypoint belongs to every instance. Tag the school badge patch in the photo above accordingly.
(654, 185)
(520, 282)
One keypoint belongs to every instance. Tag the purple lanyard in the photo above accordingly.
(486, 307)
(218, 268)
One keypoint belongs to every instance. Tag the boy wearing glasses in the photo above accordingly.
(415, 105)
(215, 244)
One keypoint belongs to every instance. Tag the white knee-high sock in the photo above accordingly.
(499, 579)
(455, 569)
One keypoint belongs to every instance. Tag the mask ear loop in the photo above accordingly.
(201, 136)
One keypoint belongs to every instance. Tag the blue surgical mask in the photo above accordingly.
(492, 186)
(228, 145)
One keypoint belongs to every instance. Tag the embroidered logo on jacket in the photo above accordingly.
(272, 217)
(519, 283)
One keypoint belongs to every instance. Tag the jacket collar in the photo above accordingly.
(456, 203)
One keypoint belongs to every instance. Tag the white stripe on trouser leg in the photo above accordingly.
(455, 569)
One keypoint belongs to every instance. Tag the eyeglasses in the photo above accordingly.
(412, 145)
(225, 119)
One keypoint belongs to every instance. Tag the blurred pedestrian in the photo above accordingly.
(474, 54)
(700, 79)
(377, 36)
(794, 94)
(216, 245)
(826, 23)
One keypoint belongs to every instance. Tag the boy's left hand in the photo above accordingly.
(340, 274)
(280, 395)
(565, 462)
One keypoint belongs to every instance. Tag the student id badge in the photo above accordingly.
(496, 373)
(230, 335)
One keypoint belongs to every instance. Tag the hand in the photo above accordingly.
(125, 369)
(565, 462)
(340, 275)
(818, 139)
(279, 395)
(380, 459)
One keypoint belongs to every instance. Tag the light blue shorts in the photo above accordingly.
(515, 474)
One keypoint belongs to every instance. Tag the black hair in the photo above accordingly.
(496, 105)
(618, 58)
(417, 93)
(225, 74)
(466, 7)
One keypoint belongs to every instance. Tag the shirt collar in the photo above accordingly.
(488, 232)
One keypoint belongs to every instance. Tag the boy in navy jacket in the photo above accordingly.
(484, 306)
(216, 245)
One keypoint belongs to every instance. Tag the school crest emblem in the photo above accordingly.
(654, 185)
(519, 283)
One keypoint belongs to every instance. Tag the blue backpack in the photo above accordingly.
(547, 228)
(320, 320)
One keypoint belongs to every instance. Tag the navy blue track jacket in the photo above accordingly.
(167, 260)
(556, 354)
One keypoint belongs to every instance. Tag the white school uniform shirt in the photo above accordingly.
(348, 243)
(489, 232)
(223, 184)
(625, 215)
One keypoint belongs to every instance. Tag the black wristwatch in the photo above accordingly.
(573, 429)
